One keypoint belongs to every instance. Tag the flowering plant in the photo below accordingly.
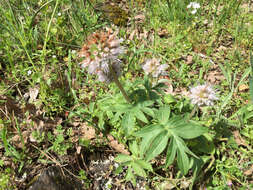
(150, 124)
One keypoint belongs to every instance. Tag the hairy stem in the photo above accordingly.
(115, 79)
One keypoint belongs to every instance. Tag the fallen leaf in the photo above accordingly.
(78, 149)
(87, 132)
(131, 36)
(33, 93)
(139, 18)
(243, 87)
(238, 139)
(189, 59)
(117, 146)
(249, 171)
(162, 32)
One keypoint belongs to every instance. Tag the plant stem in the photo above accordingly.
(193, 112)
(115, 79)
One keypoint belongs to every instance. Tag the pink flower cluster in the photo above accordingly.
(101, 51)
(154, 67)
(203, 95)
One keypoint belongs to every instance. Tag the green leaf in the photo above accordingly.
(119, 170)
(189, 130)
(146, 103)
(121, 158)
(130, 176)
(183, 161)
(243, 77)
(251, 88)
(181, 145)
(148, 130)
(196, 165)
(128, 121)
(138, 169)
(148, 111)
(116, 117)
(147, 140)
(134, 148)
(121, 107)
(144, 164)
(163, 114)
(140, 115)
(169, 99)
(91, 107)
(158, 145)
(171, 152)
(101, 121)
(205, 144)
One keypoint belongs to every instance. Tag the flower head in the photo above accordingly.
(203, 95)
(153, 66)
(100, 51)
(194, 6)
(29, 72)
(229, 183)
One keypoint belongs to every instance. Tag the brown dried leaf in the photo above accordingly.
(16, 139)
(243, 87)
(249, 171)
(189, 59)
(117, 146)
(238, 139)
(9, 106)
(87, 132)
(78, 149)
(139, 18)
(163, 33)
(33, 93)
(131, 36)
(214, 77)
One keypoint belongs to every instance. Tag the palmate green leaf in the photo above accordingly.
(158, 145)
(188, 130)
(138, 169)
(178, 147)
(127, 123)
(121, 158)
(148, 134)
(144, 165)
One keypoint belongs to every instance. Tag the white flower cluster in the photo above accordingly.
(194, 6)
(203, 95)
(153, 67)
(100, 51)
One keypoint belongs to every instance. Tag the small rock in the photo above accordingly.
(53, 179)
